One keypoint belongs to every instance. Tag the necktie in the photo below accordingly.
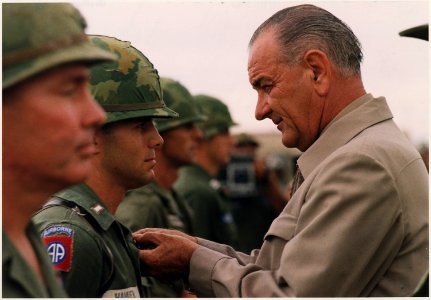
(297, 181)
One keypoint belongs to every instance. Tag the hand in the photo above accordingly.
(165, 231)
(169, 257)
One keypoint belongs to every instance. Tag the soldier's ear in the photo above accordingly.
(319, 67)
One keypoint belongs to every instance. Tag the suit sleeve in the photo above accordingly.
(345, 234)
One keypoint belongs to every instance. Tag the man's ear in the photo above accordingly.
(319, 64)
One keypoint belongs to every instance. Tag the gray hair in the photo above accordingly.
(304, 27)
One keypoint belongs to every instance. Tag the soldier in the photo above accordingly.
(49, 117)
(157, 204)
(197, 183)
(94, 252)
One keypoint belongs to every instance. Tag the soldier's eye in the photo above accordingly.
(69, 90)
(144, 125)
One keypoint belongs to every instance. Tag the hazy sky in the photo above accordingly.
(204, 46)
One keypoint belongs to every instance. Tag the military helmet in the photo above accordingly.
(217, 113)
(178, 98)
(127, 88)
(39, 36)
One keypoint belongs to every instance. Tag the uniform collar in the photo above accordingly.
(159, 190)
(362, 113)
(199, 171)
(86, 198)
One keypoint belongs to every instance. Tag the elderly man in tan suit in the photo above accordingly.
(358, 223)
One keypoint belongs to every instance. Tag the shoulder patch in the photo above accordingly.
(58, 240)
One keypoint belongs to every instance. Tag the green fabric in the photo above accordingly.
(104, 257)
(19, 279)
(218, 118)
(178, 98)
(39, 36)
(154, 206)
(129, 87)
(212, 213)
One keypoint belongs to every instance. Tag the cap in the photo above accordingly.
(420, 32)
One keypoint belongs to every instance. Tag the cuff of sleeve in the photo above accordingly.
(202, 264)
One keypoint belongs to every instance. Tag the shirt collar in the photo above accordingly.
(87, 199)
(354, 118)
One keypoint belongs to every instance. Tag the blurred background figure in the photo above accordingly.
(157, 204)
(198, 184)
(253, 187)
(48, 118)
(421, 32)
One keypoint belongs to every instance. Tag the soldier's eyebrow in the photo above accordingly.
(80, 78)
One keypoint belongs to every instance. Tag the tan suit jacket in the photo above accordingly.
(357, 226)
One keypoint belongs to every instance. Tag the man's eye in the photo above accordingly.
(267, 89)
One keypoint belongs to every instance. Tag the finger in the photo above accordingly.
(148, 240)
(145, 230)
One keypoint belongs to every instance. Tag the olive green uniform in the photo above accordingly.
(212, 215)
(152, 206)
(99, 256)
(19, 280)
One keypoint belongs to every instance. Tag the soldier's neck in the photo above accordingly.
(108, 190)
(166, 172)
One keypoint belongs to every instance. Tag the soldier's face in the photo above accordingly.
(48, 126)
(181, 144)
(127, 152)
(220, 148)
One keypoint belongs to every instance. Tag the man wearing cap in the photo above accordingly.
(49, 118)
(197, 183)
(157, 204)
(94, 252)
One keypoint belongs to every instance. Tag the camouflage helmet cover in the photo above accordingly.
(178, 98)
(127, 88)
(39, 36)
(217, 113)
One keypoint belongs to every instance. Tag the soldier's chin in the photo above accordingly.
(75, 173)
(145, 179)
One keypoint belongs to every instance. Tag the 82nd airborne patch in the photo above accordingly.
(58, 240)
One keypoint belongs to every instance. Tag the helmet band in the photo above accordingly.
(129, 107)
(27, 54)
